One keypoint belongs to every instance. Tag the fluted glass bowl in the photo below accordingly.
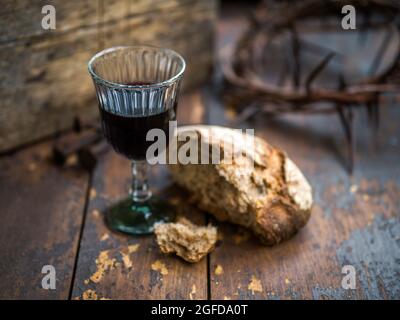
(137, 89)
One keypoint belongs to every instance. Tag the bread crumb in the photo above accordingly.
(103, 263)
(133, 248)
(255, 285)
(93, 193)
(159, 267)
(187, 240)
(96, 213)
(193, 292)
(89, 294)
(219, 270)
(104, 237)
(354, 188)
(126, 260)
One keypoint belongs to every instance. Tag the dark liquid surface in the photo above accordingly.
(127, 135)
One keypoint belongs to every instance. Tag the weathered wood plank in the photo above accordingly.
(43, 95)
(21, 19)
(168, 28)
(44, 81)
(140, 270)
(355, 219)
(121, 9)
(42, 211)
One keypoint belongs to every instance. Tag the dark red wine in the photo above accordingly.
(127, 134)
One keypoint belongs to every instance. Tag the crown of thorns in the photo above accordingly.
(250, 90)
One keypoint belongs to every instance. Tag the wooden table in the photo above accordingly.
(53, 216)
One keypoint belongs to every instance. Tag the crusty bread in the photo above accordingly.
(262, 189)
(185, 239)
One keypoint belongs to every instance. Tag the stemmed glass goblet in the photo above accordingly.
(137, 89)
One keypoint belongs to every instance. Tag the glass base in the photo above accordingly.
(138, 218)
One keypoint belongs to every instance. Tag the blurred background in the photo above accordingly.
(269, 57)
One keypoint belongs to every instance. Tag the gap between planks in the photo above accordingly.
(85, 210)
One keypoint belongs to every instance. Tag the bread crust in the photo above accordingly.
(187, 240)
(261, 189)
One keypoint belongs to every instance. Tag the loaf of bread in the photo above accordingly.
(261, 188)
(187, 240)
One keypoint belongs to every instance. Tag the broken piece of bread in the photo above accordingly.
(261, 189)
(185, 239)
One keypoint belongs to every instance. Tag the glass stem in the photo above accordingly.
(140, 190)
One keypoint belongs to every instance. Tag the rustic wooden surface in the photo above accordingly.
(54, 216)
(44, 81)
(42, 213)
(144, 273)
(355, 219)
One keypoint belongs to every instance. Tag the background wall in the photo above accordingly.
(44, 81)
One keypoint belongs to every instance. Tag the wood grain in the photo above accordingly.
(187, 28)
(143, 273)
(44, 81)
(41, 211)
(355, 219)
(21, 19)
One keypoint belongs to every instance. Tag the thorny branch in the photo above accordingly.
(250, 89)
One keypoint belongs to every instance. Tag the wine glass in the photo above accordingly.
(137, 89)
